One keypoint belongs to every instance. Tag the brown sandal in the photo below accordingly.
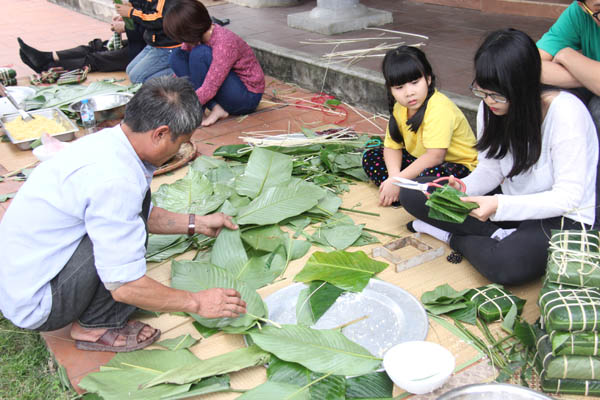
(107, 340)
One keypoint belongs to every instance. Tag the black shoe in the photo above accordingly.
(221, 22)
(410, 228)
(37, 59)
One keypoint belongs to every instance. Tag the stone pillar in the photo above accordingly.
(265, 3)
(337, 16)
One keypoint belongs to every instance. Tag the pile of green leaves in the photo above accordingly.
(445, 205)
(491, 302)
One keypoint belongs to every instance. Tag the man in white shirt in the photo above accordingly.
(73, 239)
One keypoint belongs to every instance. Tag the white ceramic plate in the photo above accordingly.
(394, 315)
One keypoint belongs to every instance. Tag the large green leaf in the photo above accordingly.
(161, 247)
(265, 169)
(178, 343)
(192, 194)
(328, 205)
(330, 387)
(372, 386)
(341, 236)
(276, 391)
(204, 163)
(325, 351)
(280, 202)
(314, 301)
(228, 251)
(195, 276)
(121, 377)
(229, 362)
(260, 271)
(349, 271)
(213, 384)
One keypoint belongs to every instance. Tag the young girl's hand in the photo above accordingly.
(388, 192)
(452, 182)
(487, 206)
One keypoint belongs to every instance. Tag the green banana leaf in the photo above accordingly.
(161, 247)
(121, 377)
(63, 95)
(228, 252)
(265, 169)
(325, 351)
(328, 205)
(213, 384)
(314, 301)
(365, 239)
(581, 344)
(192, 194)
(280, 202)
(265, 238)
(376, 385)
(445, 205)
(332, 387)
(234, 152)
(276, 391)
(178, 343)
(203, 330)
(225, 363)
(348, 271)
(195, 276)
(204, 163)
(341, 236)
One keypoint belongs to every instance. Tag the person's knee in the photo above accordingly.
(201, 53)
(509, 269)
(413, 201)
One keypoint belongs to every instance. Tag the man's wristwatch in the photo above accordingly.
(192, 225)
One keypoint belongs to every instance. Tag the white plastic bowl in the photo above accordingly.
(418, 367)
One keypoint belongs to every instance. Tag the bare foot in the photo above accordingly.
(91, 335)
(216, 114)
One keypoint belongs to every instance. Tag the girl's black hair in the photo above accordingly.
(508, 62)
(402, 65)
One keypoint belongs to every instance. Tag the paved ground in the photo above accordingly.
(453, 37)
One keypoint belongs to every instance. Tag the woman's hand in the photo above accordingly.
(487, 206)
(388, 192)
(123, 9)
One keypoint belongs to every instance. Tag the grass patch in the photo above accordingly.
(27, 370)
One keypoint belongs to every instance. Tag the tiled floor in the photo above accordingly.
(454, 35)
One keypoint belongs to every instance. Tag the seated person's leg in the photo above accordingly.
(199, 60)
(151, 61)
(179, 61)
(235, 98)
(108, 61)
(374, 165)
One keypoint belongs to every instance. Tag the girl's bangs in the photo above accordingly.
(400, 72)
(487, 75)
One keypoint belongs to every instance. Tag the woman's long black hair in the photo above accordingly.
(402, 65)
(508, 62)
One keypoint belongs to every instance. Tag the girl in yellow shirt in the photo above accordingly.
(428, 135)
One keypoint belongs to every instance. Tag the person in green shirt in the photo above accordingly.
(570, 52)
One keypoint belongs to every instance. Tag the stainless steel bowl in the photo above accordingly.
(493, 391)
(51, 113)
(106, 106)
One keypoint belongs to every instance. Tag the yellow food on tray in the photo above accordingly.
(22, 130)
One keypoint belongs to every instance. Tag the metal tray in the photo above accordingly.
(493, 391)
(50, 113)
(394, 315)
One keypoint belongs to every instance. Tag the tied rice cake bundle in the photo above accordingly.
(445, 205)
(581, 344)
(494, 302)
(570, 310)
(22, 130)
(564, 367)
(574, 258)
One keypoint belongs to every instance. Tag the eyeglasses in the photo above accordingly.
(593, 14)
(498, 98)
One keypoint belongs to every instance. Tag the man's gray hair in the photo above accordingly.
(165, 100)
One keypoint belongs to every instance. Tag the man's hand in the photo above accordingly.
(211, 225)
(219, 303)
(124, 10)
(388, 192)
(487, 206)
(563, 54)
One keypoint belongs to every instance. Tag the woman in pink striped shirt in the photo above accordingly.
(222, 67)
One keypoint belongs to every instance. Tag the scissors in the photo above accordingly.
(414, 185)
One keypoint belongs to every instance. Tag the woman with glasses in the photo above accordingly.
(535, 148)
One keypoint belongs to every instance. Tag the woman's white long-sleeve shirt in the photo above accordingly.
(562, 182)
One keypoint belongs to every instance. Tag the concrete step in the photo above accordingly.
(529, 8)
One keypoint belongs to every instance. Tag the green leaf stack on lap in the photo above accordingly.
(445, 205)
